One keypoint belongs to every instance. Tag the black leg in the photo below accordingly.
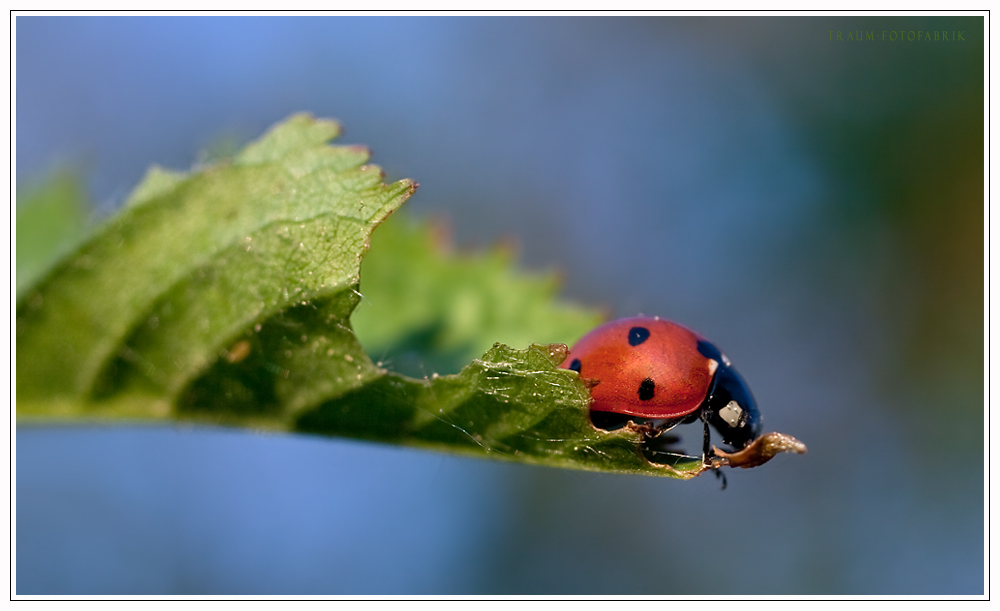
(706, 444)
(720, 475)
(706, 451)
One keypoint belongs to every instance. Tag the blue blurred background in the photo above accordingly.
(812, 203)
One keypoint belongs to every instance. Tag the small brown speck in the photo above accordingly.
(239, 351)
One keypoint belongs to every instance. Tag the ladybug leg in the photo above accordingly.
(707, 453)
(720, 475)
(706, 447)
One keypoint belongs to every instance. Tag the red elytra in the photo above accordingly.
(647, 367)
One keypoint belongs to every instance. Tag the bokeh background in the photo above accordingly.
(812, 203)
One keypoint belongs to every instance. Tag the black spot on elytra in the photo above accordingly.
(637, 335)
(647, 389)
(575, 365)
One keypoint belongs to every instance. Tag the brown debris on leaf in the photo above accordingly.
(763, 449)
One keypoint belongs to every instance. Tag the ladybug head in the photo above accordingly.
(729, 407)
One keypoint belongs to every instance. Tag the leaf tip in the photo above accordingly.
(306, 120)
(292, 135)
(409, 185)
(763, 449)
(360, 150)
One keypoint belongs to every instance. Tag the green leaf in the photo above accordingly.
(226, 296)
(194, 262)
(511, 404)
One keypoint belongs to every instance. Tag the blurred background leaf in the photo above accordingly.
(455, 305)
(52, 217)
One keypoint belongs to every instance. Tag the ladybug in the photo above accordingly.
(659, 374)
